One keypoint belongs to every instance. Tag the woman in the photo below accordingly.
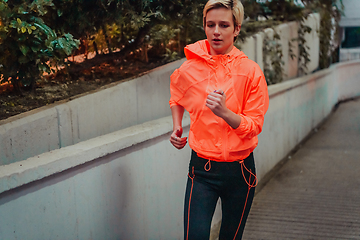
(226, 96)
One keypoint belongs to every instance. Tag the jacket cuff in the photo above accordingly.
(244, 129)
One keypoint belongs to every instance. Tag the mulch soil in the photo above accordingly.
(62, 86)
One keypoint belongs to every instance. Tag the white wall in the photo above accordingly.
(253, 46)
(351, 17)
(129, 184)
(349, 54)
(289, 32)
(313, 41)
(125, 185)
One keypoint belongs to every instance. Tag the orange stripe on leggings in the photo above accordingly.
(250, 186)
(192, 185)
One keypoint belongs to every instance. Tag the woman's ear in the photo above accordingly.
(237, 30)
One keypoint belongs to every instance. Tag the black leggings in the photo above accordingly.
(233, 182)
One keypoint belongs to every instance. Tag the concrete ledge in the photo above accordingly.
(276, 89)
(87, 116)
(35, 168)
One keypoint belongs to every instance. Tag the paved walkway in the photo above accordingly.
(316, 194)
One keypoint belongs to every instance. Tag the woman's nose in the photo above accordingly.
(216, 30)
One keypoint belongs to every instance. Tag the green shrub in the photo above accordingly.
(28, 46)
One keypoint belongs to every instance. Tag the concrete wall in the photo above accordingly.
(351, 16)
(288, 32)
(123, 105)
(313, 42)
(129, 184)
(101, 166)
(124, 185)
(349, 54)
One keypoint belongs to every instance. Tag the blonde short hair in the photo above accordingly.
(234, 5)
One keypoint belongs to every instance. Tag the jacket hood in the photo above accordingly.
(201, 49)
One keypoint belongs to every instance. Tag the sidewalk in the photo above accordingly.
(316, 194)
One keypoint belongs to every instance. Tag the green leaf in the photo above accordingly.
(21, 38)
(45, 29)
(35, 49)
(60, 41)
(22, 10)
(24, 49)
(13, 24)
(2, 6)
(65, 46)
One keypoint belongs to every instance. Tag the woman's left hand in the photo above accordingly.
(216, 102)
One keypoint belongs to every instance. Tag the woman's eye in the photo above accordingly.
(224, 25)
(210, 25)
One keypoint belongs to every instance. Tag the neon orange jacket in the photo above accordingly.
(246, 94)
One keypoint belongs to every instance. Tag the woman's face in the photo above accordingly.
(220, 31)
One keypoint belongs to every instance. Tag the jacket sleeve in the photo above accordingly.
(175, 92)
(255, 107)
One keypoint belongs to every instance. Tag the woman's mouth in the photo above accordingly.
(216, 40)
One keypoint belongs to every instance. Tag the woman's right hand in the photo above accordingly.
(176, 139)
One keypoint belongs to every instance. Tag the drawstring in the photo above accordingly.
(251, 174)
(250, 186)
(192, 185)
(207, 166)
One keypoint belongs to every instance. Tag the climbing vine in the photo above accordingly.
(326, 27)
(304, 56)
(330, 12)
(272, 58)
